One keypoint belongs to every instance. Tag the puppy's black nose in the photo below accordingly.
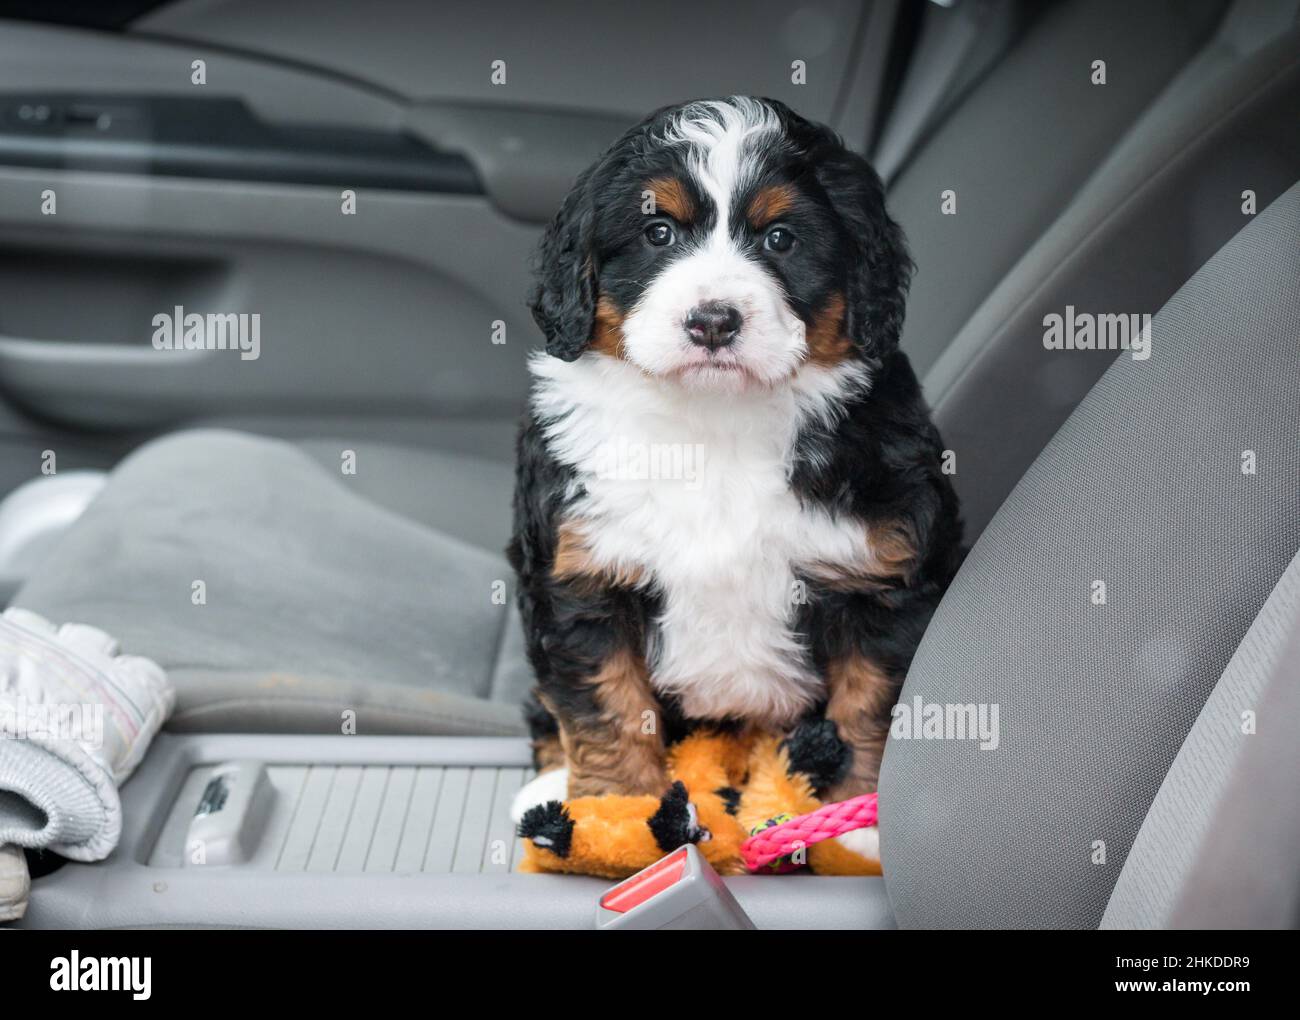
(713, 324)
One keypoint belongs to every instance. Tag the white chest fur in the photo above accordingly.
(692, 490)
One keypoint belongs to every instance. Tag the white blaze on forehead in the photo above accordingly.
(724, 138)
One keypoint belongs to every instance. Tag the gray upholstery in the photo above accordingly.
(1142, 489)
(1013, 174)
(1247, 875)
(1185, 813)
(1165, 200)
(318, 601)
(463, 496)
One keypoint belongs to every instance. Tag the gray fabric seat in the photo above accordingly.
(1186, 813)
(466, 497)
(1244, 874)
(318, 600)
(1108, 210)
(1142, 489)
(1014, 175)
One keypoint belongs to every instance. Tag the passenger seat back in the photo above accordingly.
(1101, 605)
(1168, 196)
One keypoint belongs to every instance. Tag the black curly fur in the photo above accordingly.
(816, 751)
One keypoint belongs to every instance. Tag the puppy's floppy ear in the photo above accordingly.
(876, 298)
(563, 301)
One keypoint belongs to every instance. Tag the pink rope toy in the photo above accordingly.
(827, 822)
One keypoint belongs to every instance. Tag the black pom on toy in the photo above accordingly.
(676, 823)
(549, 827)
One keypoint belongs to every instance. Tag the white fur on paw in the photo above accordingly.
(863, 842)
(549, 786)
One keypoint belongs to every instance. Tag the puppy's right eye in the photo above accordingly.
(660, 234)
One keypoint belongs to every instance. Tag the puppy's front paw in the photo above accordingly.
(816, 751)
(677, 822)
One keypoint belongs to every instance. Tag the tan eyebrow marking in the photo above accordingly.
(769, 203)
(672, 198)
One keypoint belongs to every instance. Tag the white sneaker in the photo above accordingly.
(15, 883)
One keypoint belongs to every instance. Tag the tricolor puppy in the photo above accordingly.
(730, 506)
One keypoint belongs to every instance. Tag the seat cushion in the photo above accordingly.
(1244, 875)
(466, 497)
(281, 599)
(1143, 490)
(1187, 813)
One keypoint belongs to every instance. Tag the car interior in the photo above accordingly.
(311, 542)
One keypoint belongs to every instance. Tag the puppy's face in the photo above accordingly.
(721, 245)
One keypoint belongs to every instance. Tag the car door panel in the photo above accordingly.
(402, 317)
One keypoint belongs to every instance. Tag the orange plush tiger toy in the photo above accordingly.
(726, 786)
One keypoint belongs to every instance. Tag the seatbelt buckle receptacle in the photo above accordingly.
(677, 892)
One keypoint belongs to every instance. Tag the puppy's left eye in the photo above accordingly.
(659, 234)
(779, 240)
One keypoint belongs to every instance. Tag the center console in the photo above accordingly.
(263, 830)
